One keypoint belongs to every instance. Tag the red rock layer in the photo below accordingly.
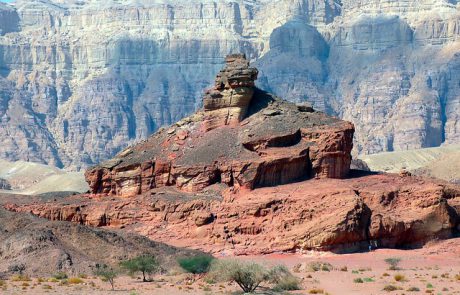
(321, 214)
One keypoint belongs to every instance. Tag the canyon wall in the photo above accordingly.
(81, 80)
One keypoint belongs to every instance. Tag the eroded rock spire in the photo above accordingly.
(228, 101)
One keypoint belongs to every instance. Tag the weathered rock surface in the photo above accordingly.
(45, 247)
(244, 138)
(87, 79)
(324, 214)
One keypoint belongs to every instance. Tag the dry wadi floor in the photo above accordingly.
(434, 269)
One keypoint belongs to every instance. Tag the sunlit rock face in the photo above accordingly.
(81, 80)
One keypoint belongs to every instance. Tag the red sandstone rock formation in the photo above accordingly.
(243, 138)
(322, 214)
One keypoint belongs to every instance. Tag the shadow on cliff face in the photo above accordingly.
(9, 20)
(295, 66)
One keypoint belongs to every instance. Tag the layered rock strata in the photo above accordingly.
(386, 210)
(244, 138)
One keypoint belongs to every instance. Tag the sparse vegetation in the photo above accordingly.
(344, 268)
(106, 274)
(368, 280)
(196, 264)
(47, 287)
(60, 276)
(283, 279)
(20, 278)
(393, 262)
(319, 266)
(144, 264)
(413, 289)
(316, 291)
(358, 280)
(75, 281)
(250, 275)
(429, 286)
(390, 288)
(399, 278)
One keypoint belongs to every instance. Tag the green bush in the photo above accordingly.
(393, 262)
(358, 281)
(106, 274)
(319, 266)
(250, 275)
(60, 276)
(196, 264)
(145, 264)
(283, 279)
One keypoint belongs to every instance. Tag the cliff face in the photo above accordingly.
(80, 80)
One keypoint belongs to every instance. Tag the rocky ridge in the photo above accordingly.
(81, 80)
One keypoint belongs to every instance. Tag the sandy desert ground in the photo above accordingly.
(434, 269)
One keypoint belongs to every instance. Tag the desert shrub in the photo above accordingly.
(106, 274)
(196, 264)
(53, 280)
(358, 281)
(41, 280)
(60, 276)
(17, 268)
(319, 266)
(393, 262)
(82, 276)
(429, 286)
(390, 288)
(368, 280)
(385, 274)
(283, 279)
(413, 289)
(248, 275)
(144, 264)
(457, 277)
(344, 268)
(47, 287)
(20, 278)
(316, 291)
(75, 281)
(399, 278)
(355, 272)
(2, 283)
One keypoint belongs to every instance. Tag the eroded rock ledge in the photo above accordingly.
(243, 138)
(388, 210)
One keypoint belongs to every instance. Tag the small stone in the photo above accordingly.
(271, 112)
(305, 108)
(171, 131)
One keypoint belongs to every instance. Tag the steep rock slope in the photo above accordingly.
(80, 80)
(45, 247)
